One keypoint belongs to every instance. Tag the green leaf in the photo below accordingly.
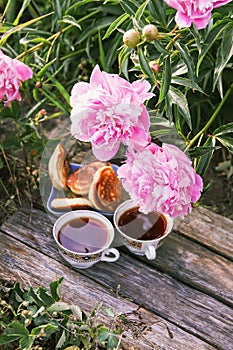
(129, 6)
(123, 60)
(196, 34)
(32, 294)
(197, 152)
(187, 60)
(77, 312)
(78, 4)
(204, 161)
(1, 163)
(55, 100)
(101, 50)
(55, 288)
(224, 53)
(112, 342)
(109, 311)
(162, 129)
(141, 10)
(61, 341)
(227, 142)
(115, 24)
(101, 23)
(187, 83)
(157, 9)
(70, 20)
(213, 35)
(21, 11)
(103, 334)
(224, 129)
(166, 79)
(41, 73)
(160, 48)
(57, 7)
(26, 342)
(47, 328)
(144, 64)
(59, 306)
(112, 52)
(60, 88)
(14, 331)
(19, 27)
(179, 99)
(38, 312)
(43, 294)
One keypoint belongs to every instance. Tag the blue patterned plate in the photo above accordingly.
(62, 194)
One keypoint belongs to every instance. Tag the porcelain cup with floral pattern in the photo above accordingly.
(142, 246)
(84, 237)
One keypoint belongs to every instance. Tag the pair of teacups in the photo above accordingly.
(85, 237)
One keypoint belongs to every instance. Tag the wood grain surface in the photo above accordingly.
(189, 285)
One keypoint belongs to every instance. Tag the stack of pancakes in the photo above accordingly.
(92, 186)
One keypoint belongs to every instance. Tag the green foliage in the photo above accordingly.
(35, 316)
(195, 76)
(62, 41)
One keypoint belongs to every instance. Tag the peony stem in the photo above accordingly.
(210, 121)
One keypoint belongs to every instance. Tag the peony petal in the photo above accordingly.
(176, 4)
(218, 3)
(104, 154)
(77, 91)
(202, 21)
(183, 20)
(23, 71)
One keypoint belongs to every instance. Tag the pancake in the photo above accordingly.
(79, 182)
(70, 203)
(58, 167)
(106, 189)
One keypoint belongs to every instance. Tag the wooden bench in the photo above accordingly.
(188, 288)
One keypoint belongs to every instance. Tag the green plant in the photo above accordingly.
(60, 41)
(36, 317)
(39, 318)
(190, 72)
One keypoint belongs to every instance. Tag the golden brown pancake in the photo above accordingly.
(106, 190)
(58, 167)
(79, 181)
(70, 203)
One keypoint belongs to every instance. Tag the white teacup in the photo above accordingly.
(84, 237)
(161, 227)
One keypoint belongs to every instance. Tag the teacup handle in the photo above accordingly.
(107, 258)
(150, 252)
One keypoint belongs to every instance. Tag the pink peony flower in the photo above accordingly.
(12, 72)
(110, 110)
(197, 11)
(161, 179)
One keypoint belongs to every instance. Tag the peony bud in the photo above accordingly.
(150, 32)
(131, 38)
(154, 66)
(38, 85)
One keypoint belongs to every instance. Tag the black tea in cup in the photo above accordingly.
(140, 226)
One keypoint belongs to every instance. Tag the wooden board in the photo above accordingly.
(176, 301)
(179, 257)
(19, 262)
(210, 229)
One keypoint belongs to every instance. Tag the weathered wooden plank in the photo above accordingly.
(197, 266)
(179, 257)
(19, 262)
(212, 230)
(190, 309)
